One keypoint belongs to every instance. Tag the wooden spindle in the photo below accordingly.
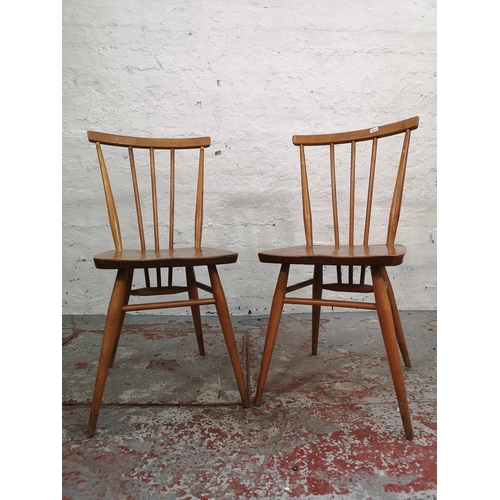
(137, 198)
(339, 274)
(398, 192)
(362, 275)
(352, 193)
(154, 199)
(110, 202)
(334, 197)
(336, 234)
(369, 200)
(198, 218)
(306, 203)
(172, 199)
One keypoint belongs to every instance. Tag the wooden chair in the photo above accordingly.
(349, 256)
(125, 261)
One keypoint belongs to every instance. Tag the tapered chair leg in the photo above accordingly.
(128, 287)
(227, 330)
(272, 330)
(195, 310)
(114, 320)
(391, 346)
(397, 320)
(317, 290)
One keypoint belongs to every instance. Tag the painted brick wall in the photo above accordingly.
(250, 75)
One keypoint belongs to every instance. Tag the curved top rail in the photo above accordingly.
(357, 135)
(146, 143)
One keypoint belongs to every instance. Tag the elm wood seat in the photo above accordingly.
(126, 260)
(348, 257)
(178, 257)
(329, 255)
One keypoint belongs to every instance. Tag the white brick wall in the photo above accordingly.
(250, 75)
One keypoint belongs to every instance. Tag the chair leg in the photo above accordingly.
(195, 310)
(397, 320)
(386, 320)
(114, 320)
(227, 330)
(128, 287)
(272, 330)
(316, 310)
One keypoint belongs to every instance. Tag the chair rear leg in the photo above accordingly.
(114, 321)
(195, 310)
(130, 275)
(272, 330)
(386, 320)
(397, 321)
(316, 310)
(227, 330)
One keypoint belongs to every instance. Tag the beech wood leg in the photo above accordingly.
(317, 290)
(111, 330)
(195, 310)
(272, 330)
(128, 287)
(386, 320)
(397, 320)
(227, 330)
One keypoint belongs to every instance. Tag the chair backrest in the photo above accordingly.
(131, 144)
(397, 156)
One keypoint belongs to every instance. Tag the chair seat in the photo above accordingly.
(352, 255)
(179, 257)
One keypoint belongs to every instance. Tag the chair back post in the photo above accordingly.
(198, 217)
(110, 202)
(352, 192)
(172, 200)
(334, 196)
(398, 192)
(154, 198)
(306, 202)
(137, 199)
(369, 200)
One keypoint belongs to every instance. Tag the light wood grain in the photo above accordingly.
(343, 255)
(152, 259)
(347, 256)
(110, 202)
(198, 217)
(146, 143)
(172, 200)
(306, 203)
(398, 192)
(357, 135)
(126, 260)
(137, 198)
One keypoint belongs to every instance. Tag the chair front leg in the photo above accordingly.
(128, 287)
(114, 320)
(195, 310)
(272, 330)
(397, 320)
(386, 320)
(227, 330)
(317, 290)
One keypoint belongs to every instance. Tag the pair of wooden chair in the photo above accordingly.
(355, 258)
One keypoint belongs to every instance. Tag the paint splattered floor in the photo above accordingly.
(172, 426)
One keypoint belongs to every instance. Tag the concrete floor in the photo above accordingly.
(172, 426)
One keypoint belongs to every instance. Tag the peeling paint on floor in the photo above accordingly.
(172, 426)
